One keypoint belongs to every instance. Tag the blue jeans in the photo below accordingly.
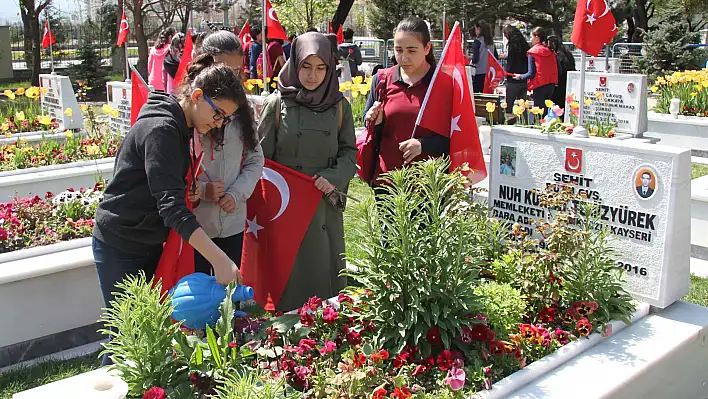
(113, 265)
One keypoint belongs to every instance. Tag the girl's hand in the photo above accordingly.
(214, 190)
(410, 149)
(517, 76)
(227, 203)
(193, 196)
(323, 185)
(375, 113)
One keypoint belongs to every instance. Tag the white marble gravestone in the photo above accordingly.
(58, 98)
(643, 192)
(623, 99)
(119, 98)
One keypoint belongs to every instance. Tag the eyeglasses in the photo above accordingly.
(218, 114)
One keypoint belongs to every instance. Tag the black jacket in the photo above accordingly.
(146, 196)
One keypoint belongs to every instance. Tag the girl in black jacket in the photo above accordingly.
(146, 197)
(516, 63)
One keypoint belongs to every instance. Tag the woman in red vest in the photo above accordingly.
(403, 91)
(542, 76)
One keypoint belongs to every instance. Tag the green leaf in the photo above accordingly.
(435, 310)
(367, 349)
(214, 347)
(199, 356)
(286, 322)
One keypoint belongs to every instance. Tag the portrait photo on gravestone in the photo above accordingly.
(507, 161)
(645, 182)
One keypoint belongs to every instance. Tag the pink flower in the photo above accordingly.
(455, 378)
(344, 298)
(155, 393)
(3, 234)
(314, 303)
(306, 345)
(558, 110)
(329, 315)
(306, 317)
(302, 372)
(328, 347)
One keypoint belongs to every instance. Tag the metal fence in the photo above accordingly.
(628, 55)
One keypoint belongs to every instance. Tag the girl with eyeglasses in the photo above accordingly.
(232, 162)
(147, 195)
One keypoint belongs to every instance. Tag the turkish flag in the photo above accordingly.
(138, 97)
(448, 109)
(184, 61)
(574, 160)
(124, 30)
(177, 259)
(278, 215)
(593, 27)
(48, 37)
(275, 29)
(245, 35)
(495, 73)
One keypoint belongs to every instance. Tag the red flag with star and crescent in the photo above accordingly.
(184, 61)
(48, 37)
(593, 27)
(124, 31)
(275, 29)
(279, 213)
(495, 73)
(448, 109)
(245, 35)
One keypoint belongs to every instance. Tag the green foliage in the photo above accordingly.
(89, 70)
(665, 49)
(504, 307)
(298, 15)
(251, 384)
(421, 247)
(141, 332)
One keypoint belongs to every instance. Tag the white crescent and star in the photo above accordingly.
(493, 72)
(455, 125)
(591, 16)
(123, 27)
(271, 14)
(282, 185)
(577, 161)
(457, 78)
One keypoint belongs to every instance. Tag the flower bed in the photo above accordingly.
(452, 303)
(31, 222)
(23, 113)
(691, 87)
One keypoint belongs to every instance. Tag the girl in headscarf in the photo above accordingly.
(313, 133)
(171, 63)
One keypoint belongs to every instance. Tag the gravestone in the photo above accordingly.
(623, 99)
(642, 192)
(119, 98)
(58, 98)
(599, 64)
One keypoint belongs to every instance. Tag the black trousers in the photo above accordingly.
(232, 246)
(515, 90)
(478, 83)
(541, 94)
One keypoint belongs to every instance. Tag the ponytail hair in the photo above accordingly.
(218, 81)
(418, 27)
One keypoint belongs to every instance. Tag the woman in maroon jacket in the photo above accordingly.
(403, 90)
(542, 76)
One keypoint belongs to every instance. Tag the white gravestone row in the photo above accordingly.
(642, 192)
(119, 98)
(59, 97)
(622, 100)
(599, 64)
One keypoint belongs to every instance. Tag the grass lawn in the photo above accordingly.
(699, 291)
(698, 170)
(41, 374)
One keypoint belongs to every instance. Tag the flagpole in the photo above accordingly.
(140, 78)
(444, 23)
(127, 64)
(264, 50)
(51, 51)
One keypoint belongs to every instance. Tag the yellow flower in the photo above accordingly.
(588, 101)
(357, 80)
(114, 113)
(84, 107)
(599, 95)
(259, 82)
(705, 83)
(549, 104)
(504, 104)
(517, 110)
(20, 91)
(69, 112)
(107, 108)
(45, 90)
(32, 92)
(275, 78)
(45, 120)
(93, 149)
(355, 94)
(69, 134)
(274, 85)
(5, 126)
(654, 89)
(574, 105)
(536, 110)
(249, 86)
(9, 94)
(693, 94)
(23, 140)
(20, 116)
(491, 107)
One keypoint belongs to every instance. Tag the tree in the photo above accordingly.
(30, 12)
(298, 15)
(186, 7)
(158, 13)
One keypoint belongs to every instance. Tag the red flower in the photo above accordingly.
(3, 234)
(433, 336)
(306, 317)
(306, 345)
(481, 333)
(547, 315)
(528, 331)
(561, 336)
(384, 354)
(344, 298)
(401, 393)
(379, 393)
(497, 348)
(48, 195)
(569, 316)
(233, 344)
(353, 338)
(401, 360)
(329, 315)
(359, 360)
(584, 327)
(445, 360)
(155, 393)
(193, 378)
(314, 303)
(369, 326)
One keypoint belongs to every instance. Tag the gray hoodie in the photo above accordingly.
(240, 178)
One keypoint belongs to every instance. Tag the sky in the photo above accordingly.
(9, 11)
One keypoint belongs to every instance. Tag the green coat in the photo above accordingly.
(312, 143)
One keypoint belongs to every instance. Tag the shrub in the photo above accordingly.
(504, 306)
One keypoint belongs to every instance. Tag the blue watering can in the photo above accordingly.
(197, 297)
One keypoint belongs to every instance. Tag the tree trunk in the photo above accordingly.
(630, 28)
(140, 37)
(185, 19)
(36, 54)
